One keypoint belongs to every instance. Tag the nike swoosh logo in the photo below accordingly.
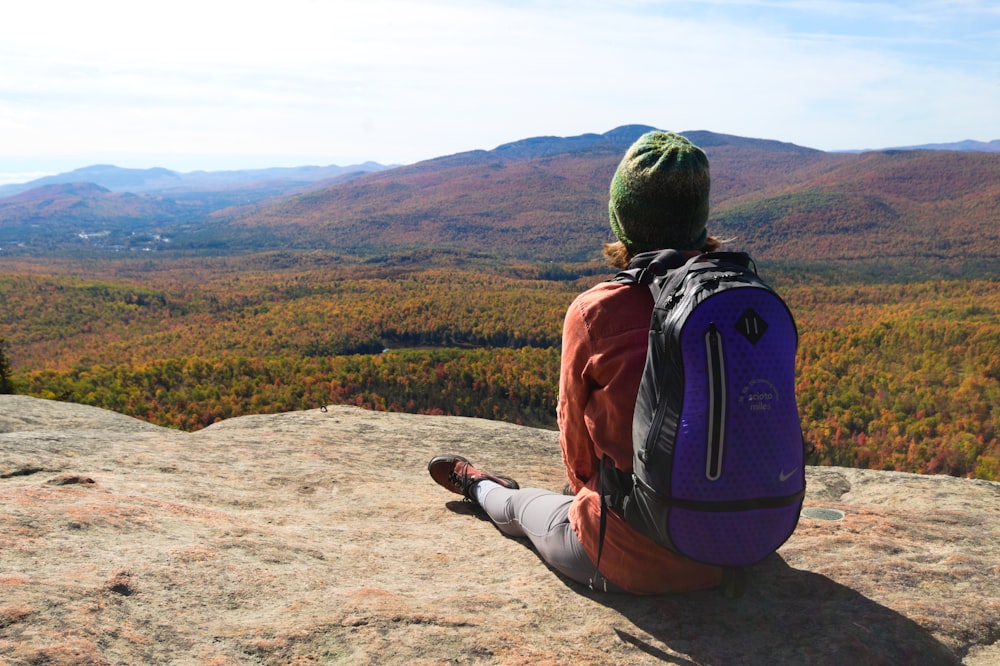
(784, 477)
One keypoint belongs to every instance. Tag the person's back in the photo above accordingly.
(658, 200)
(604, 352)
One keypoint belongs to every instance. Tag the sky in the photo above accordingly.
(219, 84)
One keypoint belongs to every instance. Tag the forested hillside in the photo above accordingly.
(909, 212)
(104, 209)
(440, 288)
(891, 376)
(896, 214)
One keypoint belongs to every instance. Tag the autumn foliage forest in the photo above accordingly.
(441, 288)
(891, 376)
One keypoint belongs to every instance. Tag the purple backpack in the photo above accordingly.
(718, 456)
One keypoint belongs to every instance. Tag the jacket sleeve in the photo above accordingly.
(575, 386)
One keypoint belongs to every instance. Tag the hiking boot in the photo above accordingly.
(459, 476)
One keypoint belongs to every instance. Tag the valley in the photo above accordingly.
(440, 288)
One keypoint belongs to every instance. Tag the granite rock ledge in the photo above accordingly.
(318, 537)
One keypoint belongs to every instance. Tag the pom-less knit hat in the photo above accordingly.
(659, 194)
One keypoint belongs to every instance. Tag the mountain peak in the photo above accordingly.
(52, 190)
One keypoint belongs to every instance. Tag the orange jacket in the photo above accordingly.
(604, 349)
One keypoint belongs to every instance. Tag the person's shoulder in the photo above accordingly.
(614, 302)
(613, 294)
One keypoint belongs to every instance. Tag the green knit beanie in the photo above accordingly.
(659, 194)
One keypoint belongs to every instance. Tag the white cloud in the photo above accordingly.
(350, 80)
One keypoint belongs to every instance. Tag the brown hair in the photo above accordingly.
(619, 256)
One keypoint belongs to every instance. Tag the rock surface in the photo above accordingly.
(318, 538)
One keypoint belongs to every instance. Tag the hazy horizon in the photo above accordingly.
(239, 85)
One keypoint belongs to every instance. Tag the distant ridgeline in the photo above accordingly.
(927, 213)
(440, 287)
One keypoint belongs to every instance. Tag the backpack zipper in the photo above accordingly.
(716, 403)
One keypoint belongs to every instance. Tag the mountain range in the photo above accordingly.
(542, 198)
(968, 145)
(117, 179)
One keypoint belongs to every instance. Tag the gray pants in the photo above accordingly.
(542, 516)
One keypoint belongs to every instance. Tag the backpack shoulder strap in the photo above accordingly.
(672, 281)
(646, 267)
(612, 485)
(741, 259)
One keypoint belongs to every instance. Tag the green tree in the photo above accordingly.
(6, 385)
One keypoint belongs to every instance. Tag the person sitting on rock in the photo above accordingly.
(658, 200)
